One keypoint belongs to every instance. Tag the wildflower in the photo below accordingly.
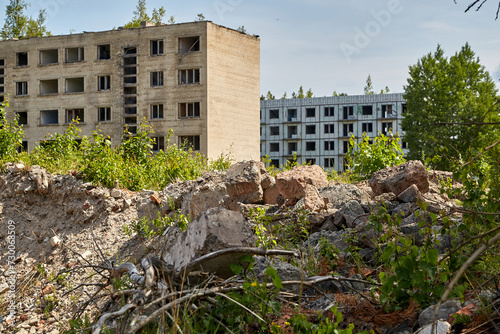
(254, 284)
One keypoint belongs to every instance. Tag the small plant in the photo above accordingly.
(300, 324)
(11, 135)
(263, 229)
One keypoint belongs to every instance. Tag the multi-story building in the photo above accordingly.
(199, 79)
(317, 130)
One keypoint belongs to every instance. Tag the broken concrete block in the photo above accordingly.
(292, 183)
(398, 178)
(213, 230)
(243, 182)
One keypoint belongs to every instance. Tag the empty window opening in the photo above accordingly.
(74, 85)
(386, 128)
(104, 51)
(310, 129)
(156, 79)
(329, 145)
(130, 51)
(22, 58)
(156, 111)
(130, 100)
(104, 82)
(292, 148)
(74, 55)
(22, 88)
(190, 142)
(1, 91)
(189, 110)
(189, 44)
(104, 114)
(49, 86)
(22, 117)
(274, 130)
(275, 163)
(130, 110)
(274, 113)
(386, 109)
(329, 128)
(348, 111)
(348, 128)
(49, 117)
(311, 112)
(187, 77)
(131, 129)
(404, 144)
(310, 161)
(292, 131)
(131, 70)
(345, 146)
(130, 90)
(74, 115)
(130, 120)
(2, 62)
(367, 127)
(367, 110)
(404, 108)
(157, 47)
(23, 148)
(129, 61)
(49, 57)
(130, 80)
(329, 162)
(310, 146)
(292, 115)
(329, 111)
(2, 71)
(1, 80)
(158, 143)
(274, 147)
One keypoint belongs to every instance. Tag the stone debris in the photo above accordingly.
(398, 178)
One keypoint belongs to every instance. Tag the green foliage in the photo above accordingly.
(18, 25)
(366, 157)
(270, 96)
(242, 29)
(147, 228)
(140, 14)
(200, 17)
(368, 90)
(448, 102)
(11, 136)
(80, 326)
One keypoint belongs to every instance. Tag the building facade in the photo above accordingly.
(199, 79)
(317, 130)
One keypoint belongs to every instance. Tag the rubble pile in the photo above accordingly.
(61, 222)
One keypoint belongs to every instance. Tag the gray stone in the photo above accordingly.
(286, 272)
(340, 194)
(410, 195)
(312, 244)
(449, 307)
(213, 230)
(404, 209)
(353, 213)
(441, 327)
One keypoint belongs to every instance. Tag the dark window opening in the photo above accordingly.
(292, 147)
(187, 77)
(274, 130)
(348, 111)
(22, 88)
(348, 128)
(189, 110)
(386, 128)
(2, 62)
(22, 117)
(311, 112)
(156, 111)
(22, 59)
(404, 144)
(130, 110)
(275, 163)
(329, 162)
(274, 147)
(74, 85)
(310, 129)
(104, 114)
(188, 142)
(292, 115)
(130, 90)
(329, 145)
(157, 47)
(329, 128)
(49, 117)
(23, 147)
(345, 146)
(104, 51)
(74, 115)
(130, 80)
(367, 127)
(130, 100)
(74, 55)
(367, 110)
(104, 82)
(405, 109)
(131, 70)
(292, 131)
(156, 79)
(310, 146)
(130, 51)
(49, 57)
(310, 161)
(130, 120)
(274, 113)
(129, 61)
(329, 111)
(158, 143)
(49, 86)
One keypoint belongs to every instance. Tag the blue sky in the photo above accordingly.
(319, 44)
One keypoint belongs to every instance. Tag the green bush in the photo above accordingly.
(11, 136)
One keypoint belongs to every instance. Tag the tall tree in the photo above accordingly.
(369, 86)
(270, 96)
(449, 107)
(18, 25)
(300, 94)
(140, 14)
(309, 93)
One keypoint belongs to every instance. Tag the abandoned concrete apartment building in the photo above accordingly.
(317, 130)
(199, 79)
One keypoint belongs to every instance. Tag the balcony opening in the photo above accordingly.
(130, 120)
(129, 61)
(345, 146)
(49, 57)
(49, 117)
(130, 51)
(74, 115)
(130, 100)
(188, 142)
(74, 55)
(292, 148)
(188, 77)
(386, 110)
(130, 110)
(49, 86)
(292, 131)
(74, 85)
(189, 110)
(104, 51)
(130, 80)
(189, 44)
(367, 127)
(292, 115)
(348, 128)
(104, 114)
(22, 117)
(22, 58)
(130, 90)
(131, 70)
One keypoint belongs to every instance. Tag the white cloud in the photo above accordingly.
(439, 26)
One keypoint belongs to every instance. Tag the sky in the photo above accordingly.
(325, 45)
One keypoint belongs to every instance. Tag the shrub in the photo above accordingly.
(11, 135)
